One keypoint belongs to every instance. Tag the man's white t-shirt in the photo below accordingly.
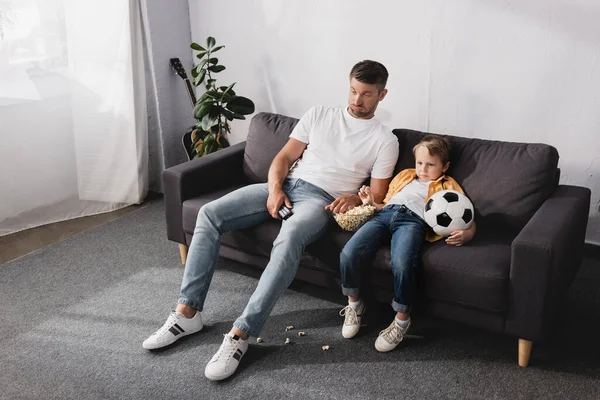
(412, 196)
(342, 151)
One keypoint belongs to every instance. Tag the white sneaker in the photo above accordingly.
(390, 337)
(176, 327)
(352, 320)
(226, 360)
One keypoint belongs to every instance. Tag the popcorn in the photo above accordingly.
(301, 333)
(353, 219)
(289, 328)
(259, 340)
(287, 340)
(325, 348)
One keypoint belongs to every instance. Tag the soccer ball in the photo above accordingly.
(447, 211)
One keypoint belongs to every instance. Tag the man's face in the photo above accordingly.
(363, 99)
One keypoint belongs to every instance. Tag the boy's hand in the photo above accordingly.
(460, 237)
(366, 196)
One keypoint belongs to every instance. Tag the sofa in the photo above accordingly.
(510, 279)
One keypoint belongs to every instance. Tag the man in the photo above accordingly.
(332, 152)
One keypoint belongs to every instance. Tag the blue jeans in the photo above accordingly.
(241, 209)
(406, 231)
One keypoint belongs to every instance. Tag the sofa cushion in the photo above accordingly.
(267, 134)
(507, 182)
(475, 275)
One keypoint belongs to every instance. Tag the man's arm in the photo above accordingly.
(347, 202)
(379, 187)
(280, 167)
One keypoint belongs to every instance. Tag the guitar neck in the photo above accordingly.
(190, 90)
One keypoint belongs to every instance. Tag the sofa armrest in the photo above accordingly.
(192, 178)
(545, 257)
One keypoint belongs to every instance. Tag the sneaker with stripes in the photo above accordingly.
(226, 360)
(176, 327)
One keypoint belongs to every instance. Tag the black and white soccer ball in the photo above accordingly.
(447, 211)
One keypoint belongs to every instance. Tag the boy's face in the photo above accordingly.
(429, 167)
(363, 99)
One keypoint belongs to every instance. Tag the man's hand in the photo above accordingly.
(276, 198)
(344, 203)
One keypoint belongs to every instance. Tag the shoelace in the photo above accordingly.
(228, 346)
(172, 320)
(393, 333)
(350, 315)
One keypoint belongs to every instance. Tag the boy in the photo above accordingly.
(400, 219)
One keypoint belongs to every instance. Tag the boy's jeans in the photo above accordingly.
(247, 207)
(406, 231)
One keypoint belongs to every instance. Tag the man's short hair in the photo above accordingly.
(371, 72)
(437, 145)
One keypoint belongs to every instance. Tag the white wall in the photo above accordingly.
(519, 71)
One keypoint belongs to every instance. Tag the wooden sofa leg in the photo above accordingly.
(183, 249)
(524, 352)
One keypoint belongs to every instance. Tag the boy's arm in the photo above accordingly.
(460, 237)
(366, 196)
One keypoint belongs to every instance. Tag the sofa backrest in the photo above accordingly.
(507, 182)
(267, 134)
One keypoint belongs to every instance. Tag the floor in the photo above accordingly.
(21, 243)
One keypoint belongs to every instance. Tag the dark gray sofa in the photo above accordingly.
(510, 279)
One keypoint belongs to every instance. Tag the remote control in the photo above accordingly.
(285, 212)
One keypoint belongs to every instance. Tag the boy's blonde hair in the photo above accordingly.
(437, 145)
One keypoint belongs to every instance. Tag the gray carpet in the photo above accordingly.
(74, 314)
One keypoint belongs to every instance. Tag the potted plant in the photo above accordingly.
(217, 106)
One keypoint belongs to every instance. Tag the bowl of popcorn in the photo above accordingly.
(353, 219)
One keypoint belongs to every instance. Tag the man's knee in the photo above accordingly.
(209, 213)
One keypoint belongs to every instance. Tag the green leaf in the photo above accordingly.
(216, 49)
(210, 81)
(238, 116)
(202, 63)
(194, 72)
(199, 135)
(228, 89)
(210, 42)
(200, 78)
(225, 97)
(209, 140)
(210, 119)
(214, 94)
(211, 147)
(216, 68)
(241, 105)
(228, 114)
(213, 60)
(197, 47)
(201, 54)
(202, 108)
(223, 142)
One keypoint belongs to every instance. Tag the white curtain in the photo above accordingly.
(73, 134)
